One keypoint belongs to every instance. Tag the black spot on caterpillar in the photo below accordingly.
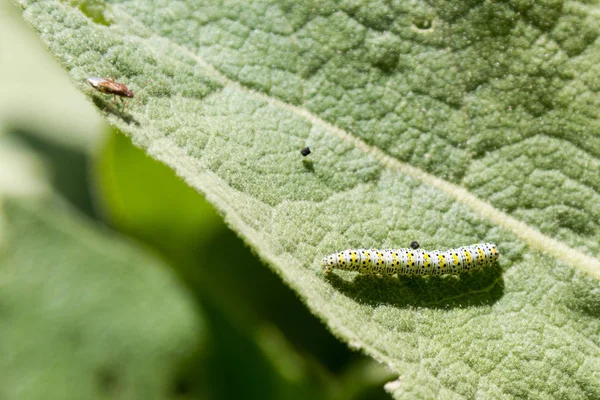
(412, 262)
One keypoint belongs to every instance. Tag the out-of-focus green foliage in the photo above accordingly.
(86, 314)
(442, 122)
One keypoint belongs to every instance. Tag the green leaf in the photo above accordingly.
(449, 123)
(83, 313)
(86, 314)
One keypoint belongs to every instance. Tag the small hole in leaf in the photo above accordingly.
(95, 10)
(423, 24)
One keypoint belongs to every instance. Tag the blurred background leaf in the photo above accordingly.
(85, 314)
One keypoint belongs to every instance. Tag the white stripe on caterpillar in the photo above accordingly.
(412, 262)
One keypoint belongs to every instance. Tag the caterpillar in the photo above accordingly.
(412, 262)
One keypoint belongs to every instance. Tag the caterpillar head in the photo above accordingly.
(327, 264)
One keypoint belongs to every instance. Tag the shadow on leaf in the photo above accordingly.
(308, 165)
(112, 108)
(478, 288)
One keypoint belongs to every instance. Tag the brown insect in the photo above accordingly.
(110, 86)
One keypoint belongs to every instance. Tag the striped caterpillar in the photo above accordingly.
(412, 262)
